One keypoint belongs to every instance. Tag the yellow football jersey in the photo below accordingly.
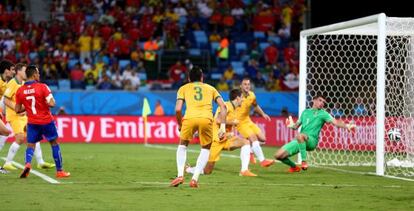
(2, 86)
(11, 88)
(198, 98)
(231, 116)
(243, 112)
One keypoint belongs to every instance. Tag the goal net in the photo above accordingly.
(365, 69)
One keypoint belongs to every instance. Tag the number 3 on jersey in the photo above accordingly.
(198, 96)
(32, 98)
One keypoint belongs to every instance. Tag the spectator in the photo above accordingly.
(105, 83)
(177, 74)
(252, 69)
(284, 112)
(77, 77)
(96, 45)
(222, 85)
(229, 74)
(260, 82)
(117, 78)
(61, 111)
(132, 80)
(271, 54)
(223, 50)
(150, 55)
(159, 110)
(90, 79)
(214, 36)
(85, 44)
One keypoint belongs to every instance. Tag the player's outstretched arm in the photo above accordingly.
(178, 112)
(339, 123)
(9, 103)
(223, 114)
(51, 102)
(260, 111)
(292, 124)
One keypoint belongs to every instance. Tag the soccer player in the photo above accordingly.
(198, 98)
(18, 120)
(36, 99)
(6, 73)
(311, 122)
(247, 128)
(230, 141)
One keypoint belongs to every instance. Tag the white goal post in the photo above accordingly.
(365, 69)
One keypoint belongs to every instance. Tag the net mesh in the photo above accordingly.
(343, 67)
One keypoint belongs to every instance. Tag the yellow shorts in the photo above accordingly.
(248, 128)
(18, 124)
(202, 125)
(217, 147)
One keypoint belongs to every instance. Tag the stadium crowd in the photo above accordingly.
(108, 44)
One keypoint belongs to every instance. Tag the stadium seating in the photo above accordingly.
(72, 63)
(259, 35)
(263, 46)
(213, 47)
(64, 84)
(240, 46)
(124, 63)
(194, 52)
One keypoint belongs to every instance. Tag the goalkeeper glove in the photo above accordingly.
(290, 123)
(351, 126)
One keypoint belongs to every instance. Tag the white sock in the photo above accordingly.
(38, 154)
(201, 163)
(245, 157)
(189, 170)
(2, 141)
(12, 152)
(257, 149)
(181, 159)
(251, 150)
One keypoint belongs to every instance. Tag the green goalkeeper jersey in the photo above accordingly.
(312, 121)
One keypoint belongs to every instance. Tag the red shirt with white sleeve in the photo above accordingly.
(35, 97)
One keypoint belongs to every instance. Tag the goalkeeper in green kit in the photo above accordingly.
(311, 122)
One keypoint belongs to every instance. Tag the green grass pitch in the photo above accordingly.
(136, 177)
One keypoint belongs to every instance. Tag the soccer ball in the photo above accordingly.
(394, 134)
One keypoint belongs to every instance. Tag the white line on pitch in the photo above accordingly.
(42, 176)
(166, 184)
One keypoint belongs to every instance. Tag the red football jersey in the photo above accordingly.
(33, 95)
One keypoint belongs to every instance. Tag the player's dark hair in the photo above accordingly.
(319, 96)
(245, 78)
(19, 66)
(195, 74)
(30, 70)
(234, 93)
(4, 65)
